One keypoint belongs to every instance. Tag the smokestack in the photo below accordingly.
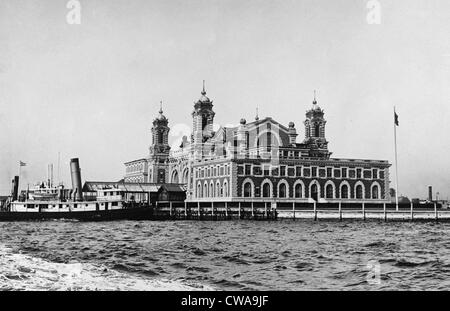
(75, 173)
(51, 175)
(15, 188)
(430, 193)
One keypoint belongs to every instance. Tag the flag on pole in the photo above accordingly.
(22, 163)
(396, 118)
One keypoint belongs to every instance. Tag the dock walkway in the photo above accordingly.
(258, 210)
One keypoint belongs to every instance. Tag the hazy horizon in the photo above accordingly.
(92, 90)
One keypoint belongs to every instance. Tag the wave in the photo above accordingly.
(24, 272)
(403, 263)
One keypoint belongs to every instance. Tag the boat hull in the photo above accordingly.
(138, 213)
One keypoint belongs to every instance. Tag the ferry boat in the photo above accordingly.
(48, 202)
(109, 205)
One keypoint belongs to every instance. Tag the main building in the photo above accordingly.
(259, 161)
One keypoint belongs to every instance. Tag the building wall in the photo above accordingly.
(321, 173)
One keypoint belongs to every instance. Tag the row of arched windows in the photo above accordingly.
(135, 167)
(213, 190)
(175, 179)
(137, 179)
(315, 190)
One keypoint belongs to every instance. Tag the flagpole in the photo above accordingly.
(18, 183)
(396, 164)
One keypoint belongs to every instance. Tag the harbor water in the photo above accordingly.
(224, 255)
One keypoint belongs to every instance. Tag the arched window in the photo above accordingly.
(282, 190)
(247, 193)
(199, 191)
(218, 190)
(185, 176)
(344, 192)
(266, 190)
(211, 190)
(298, 190)
(329, 192)
(314, 192)
(317, 130)
(175, 177)
(160, 137)
(205, 190)
(359, 192)
(225, 188)
(375, 191)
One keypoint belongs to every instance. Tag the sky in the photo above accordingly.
(91, 90)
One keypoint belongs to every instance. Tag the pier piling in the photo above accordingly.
(293, 210)
(364, 211)
(435, 211)
(412, 212)
(315, 210)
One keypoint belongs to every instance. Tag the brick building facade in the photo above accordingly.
(258, 161)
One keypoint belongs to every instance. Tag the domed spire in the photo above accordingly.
(161, 116)
(204, 98)
(315, 105)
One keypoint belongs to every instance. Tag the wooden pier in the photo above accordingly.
(272, 210)
(214, 211)
(364, 211)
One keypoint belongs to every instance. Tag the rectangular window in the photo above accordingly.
(257, 170)
(275, 171)
(375, 173)
(240, 170)
(266, 170)
(367, 174)
(298, 171)
(358, 173)
(248, 169)
(337, 173)
(329, 172)
(221, 171)
(322, 173)
(283, 171)
(307, 172)
(291, 171)
(352, 173)
(314, 172)
(344, 172)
